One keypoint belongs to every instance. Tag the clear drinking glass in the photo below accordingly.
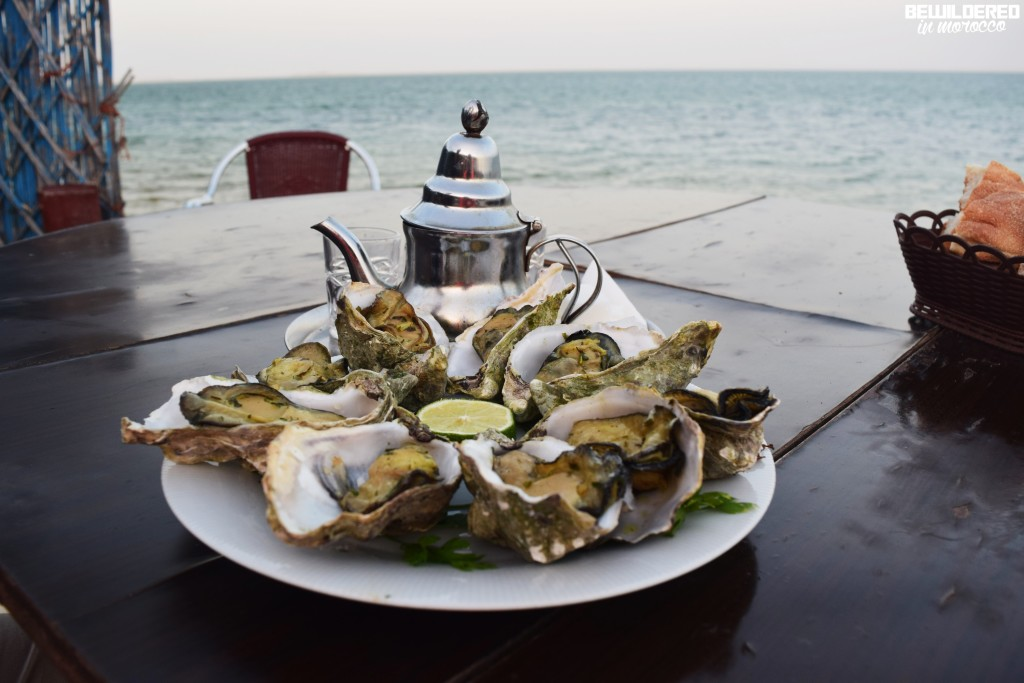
(383, 246)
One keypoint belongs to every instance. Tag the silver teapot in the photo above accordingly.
(466, 245)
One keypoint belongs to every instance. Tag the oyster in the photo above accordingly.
(733, 425)
(538, 497)
(476, 366)
(356, 482)
(394, 471)
(379, 330)
(390, 312)
(245, 421)
(527, 499)
(245, 403)
(305, 366)
(590, 477)
(644, 439)
(554, 351)
(662, 449)
(495, 327)
(672, 364)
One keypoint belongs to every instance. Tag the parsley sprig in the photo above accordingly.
(452, 552)
(708, 500)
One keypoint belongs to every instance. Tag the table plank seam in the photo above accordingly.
(824, 316)
(490, 661)
(682, 220)
(836, 411)
(44, 360)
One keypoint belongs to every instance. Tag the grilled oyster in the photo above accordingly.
(496, 327)
(390, 312)
(245, 403)
(379, 330)
(232, 418)
(356, 482)
(733, 425)
(542, 498)
(552, 352)
(662, 450)
(566, 486)
(476, 365)
(305, 366)
(645, 440)
(591, 477)
(673, 363)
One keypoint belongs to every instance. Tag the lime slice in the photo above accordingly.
(462, 418)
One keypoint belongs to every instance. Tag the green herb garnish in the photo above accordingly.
(710, 500)
(452, 552)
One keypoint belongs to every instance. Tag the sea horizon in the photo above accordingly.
(892, 140)
(568, 72)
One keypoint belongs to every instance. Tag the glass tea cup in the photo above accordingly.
(383, 246)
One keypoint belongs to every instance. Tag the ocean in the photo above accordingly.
(892, 141)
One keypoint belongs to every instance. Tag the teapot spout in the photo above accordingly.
(359, 266)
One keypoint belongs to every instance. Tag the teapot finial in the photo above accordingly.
(474, 118)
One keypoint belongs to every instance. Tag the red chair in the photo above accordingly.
(65, 206)
(293, 162)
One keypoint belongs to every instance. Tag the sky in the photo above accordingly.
(189, 40)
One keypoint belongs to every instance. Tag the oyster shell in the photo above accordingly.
(541, 304)
(733, 425)
(650, 509)
(402, 339)
(363, 397)
(544, 528)
(326, 484)
(541, 528)
(671, 365)
(532, 352)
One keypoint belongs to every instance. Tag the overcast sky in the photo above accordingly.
(184, 40)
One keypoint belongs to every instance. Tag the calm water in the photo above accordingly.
(897, 142)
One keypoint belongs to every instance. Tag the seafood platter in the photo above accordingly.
(322, 469)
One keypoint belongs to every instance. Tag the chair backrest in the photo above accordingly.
(297, 162)
(65, 206)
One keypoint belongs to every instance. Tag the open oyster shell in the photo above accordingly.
(653, 511)
(541, 304)
(530, 353)
(540, 528)
(545, 528)
(363, 397)
(671, 365)
(733, 425)
(304, 504)
(365, 346)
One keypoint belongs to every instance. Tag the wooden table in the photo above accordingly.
(891, 551)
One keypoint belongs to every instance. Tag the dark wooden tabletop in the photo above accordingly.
(891, 550)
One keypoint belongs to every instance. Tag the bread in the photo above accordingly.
(980, 183)
(992, 210)
(996, 220)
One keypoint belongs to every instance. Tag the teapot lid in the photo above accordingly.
(467, 193)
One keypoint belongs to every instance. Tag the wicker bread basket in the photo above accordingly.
(978, 293)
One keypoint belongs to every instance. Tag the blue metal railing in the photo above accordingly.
(57, 99)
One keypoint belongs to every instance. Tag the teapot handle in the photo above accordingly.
(560, 241)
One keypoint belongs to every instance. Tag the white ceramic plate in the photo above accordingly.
(223, 506)
(311, 326)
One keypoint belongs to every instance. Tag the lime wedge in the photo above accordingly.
(459, 418)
